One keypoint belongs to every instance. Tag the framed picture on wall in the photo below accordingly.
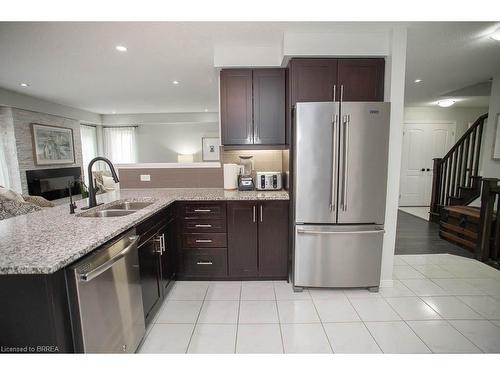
(210, 148)
(496, 141)
(52, 144)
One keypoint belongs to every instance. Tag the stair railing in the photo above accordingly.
(455, 176)
(488, 244)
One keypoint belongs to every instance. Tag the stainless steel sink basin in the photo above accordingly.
(129, 205)
(108, 213)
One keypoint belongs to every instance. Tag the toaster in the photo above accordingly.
(268, 181)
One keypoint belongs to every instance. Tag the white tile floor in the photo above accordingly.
(438, 304)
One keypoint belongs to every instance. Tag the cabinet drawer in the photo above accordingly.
(204, 225)
(205, 262)
(204, 210)
(204, 240)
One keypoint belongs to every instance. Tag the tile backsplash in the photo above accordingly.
(264, 160)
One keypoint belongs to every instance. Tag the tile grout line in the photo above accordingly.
(197, 318)
(238, 320)
(322, 325)
(279, 319)
(364, 324)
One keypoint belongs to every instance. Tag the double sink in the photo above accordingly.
(117, 209)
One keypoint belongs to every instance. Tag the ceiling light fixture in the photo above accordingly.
(121, 48)
(206, 109)
(175, 82)
(446, 103)
(24, 84)
(496, 35)
(418, 80)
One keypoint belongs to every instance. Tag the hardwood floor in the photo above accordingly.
(418, 236)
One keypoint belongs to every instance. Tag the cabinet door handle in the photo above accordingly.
(341, 93)
(160, 249)
(204, 263)
(261, 214)
(164, 247)
(202, 210)
(203, 225)
(254, 220)
(334, 92)
(203, 241)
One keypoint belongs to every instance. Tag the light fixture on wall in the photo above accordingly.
(185, 158)
(446, 103)
(121, 48)
(418, 80)
(24, 84)
(496, 35)
(175, 82)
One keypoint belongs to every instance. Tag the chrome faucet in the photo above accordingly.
(92, 198)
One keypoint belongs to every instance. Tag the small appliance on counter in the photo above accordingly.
(269, 181)
(230, 176)
(245, 180)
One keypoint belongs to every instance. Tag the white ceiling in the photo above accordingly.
(76, 64)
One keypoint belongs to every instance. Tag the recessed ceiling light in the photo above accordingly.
(418, 80)
(24, 84)
(175, 82)
(121, 48)
(446, 103)
(496, 35)
(113, 112)
(206, 109)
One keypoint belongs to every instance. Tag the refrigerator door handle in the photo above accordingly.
(347, 120)
(304, 231)
(334, 162)
(334, 92)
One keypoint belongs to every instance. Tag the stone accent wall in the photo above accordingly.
(8, 143)
(22, 121)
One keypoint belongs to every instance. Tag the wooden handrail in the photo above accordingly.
(455, 176)
(479, 121)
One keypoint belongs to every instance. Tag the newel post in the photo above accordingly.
(436, 189)
(485, 217)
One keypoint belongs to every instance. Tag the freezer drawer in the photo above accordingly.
(341, 256)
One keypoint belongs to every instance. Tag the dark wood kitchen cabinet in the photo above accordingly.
(312, 80)
(252, 107)
(242, 239)
(258, 239)
(169, 252)
(361, 79)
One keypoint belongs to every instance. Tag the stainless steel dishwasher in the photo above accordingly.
(106, 299)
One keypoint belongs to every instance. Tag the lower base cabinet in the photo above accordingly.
(258, 239)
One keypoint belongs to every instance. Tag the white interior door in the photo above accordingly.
(422, 142)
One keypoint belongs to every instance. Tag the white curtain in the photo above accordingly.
(120, 144)
(4, 171)
(89, 146)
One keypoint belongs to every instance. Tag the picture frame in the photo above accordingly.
(52, 144)
(496, 140)
(210, 148)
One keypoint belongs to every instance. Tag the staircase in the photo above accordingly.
(455, 176)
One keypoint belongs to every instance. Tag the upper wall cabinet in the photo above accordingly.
(252, 106)
(312, 80)
(362, 80)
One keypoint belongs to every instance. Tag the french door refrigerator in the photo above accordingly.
(339, 191)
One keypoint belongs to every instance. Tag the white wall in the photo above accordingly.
(161, 143)
(489, 167)
(394, 91)
(460, 115)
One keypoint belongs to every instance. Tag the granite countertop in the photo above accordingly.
(46, 241)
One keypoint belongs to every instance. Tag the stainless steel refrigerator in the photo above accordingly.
(339, 191)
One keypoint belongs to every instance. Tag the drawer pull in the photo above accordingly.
(203, 225)
(203, 241)
(204, 263)
(202, 210)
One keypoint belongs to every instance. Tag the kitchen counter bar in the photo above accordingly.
(46, 241)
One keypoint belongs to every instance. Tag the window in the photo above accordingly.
(120, 144)
(89, 146)
(4, 171)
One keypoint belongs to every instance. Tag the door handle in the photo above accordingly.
(202, 210)
(261, 214)
(341, 93)
(334, 153)
(204, 263)
(347, 120)
(254, 220)
(334, 92)
(349, 232)
(203, 241)
(422, 169)
(203, 225)
(109, 263)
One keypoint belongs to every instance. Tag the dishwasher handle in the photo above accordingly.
(93, 273)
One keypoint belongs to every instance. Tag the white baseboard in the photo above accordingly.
(387, 283)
